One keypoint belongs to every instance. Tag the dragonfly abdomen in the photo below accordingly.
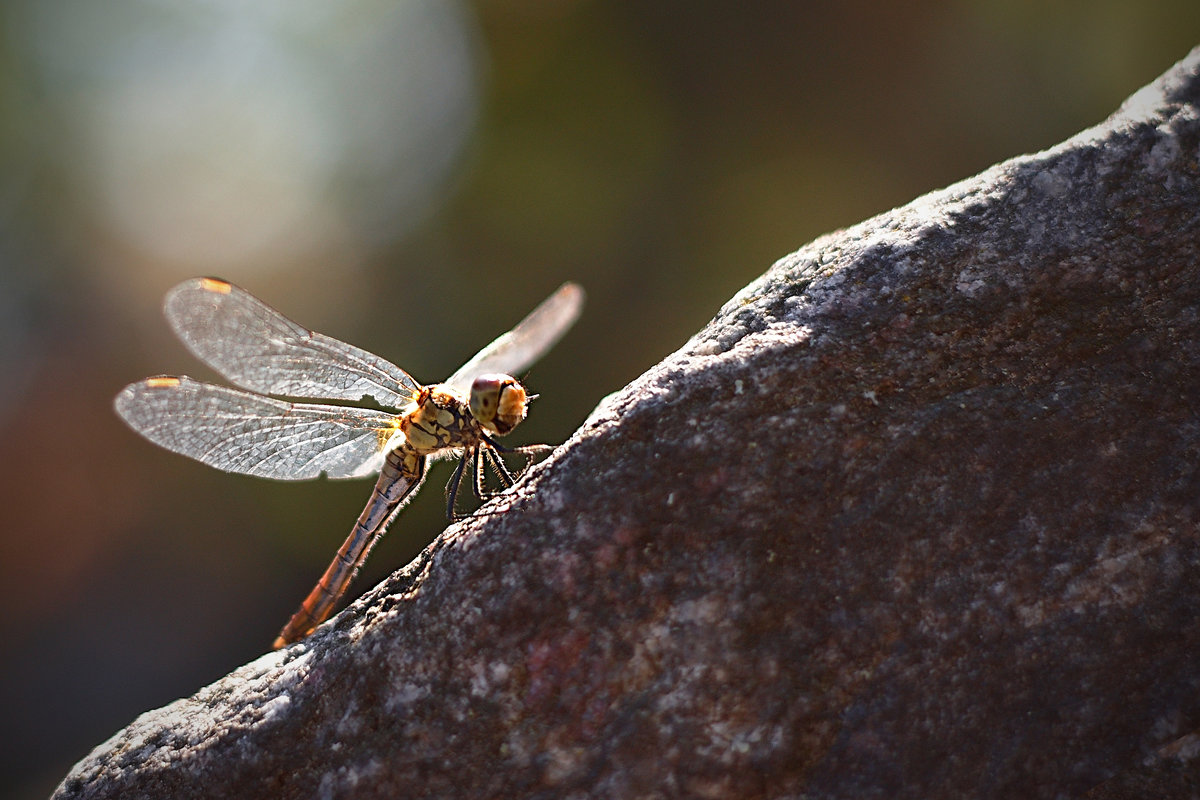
(403, 469)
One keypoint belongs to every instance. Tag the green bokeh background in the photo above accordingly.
(661, 154)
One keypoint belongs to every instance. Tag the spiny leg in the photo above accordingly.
(507, 477)
(530, 451)
(487, 456)
(484, 456)
(456, 483)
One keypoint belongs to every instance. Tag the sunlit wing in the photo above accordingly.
(259, 349)
(246, 433)
(516, 350)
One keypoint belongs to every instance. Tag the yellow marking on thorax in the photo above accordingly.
(215, 285)
(440, 420)
(161, 382)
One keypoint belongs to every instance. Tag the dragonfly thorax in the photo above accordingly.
(441, 419)
(498, 402)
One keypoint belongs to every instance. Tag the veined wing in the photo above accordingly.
(259, 349)
(254, 435)
(514, 351)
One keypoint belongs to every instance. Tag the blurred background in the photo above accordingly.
(413, 176)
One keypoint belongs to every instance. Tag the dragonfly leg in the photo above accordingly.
(501, 470)
(492, 459)
(531, 450)
(486, 456)
(455, 484)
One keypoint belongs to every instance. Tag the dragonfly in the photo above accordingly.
(252, 430)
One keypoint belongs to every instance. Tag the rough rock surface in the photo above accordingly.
(917, 515)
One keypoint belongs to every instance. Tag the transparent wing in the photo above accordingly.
(513, 352)
(254, 435)
(259, 349)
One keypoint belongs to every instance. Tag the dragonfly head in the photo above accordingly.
(498, 402)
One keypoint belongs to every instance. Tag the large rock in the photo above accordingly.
(917, 515)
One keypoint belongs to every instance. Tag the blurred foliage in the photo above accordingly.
(413, 178)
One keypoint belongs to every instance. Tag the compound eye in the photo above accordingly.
(498, 402)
